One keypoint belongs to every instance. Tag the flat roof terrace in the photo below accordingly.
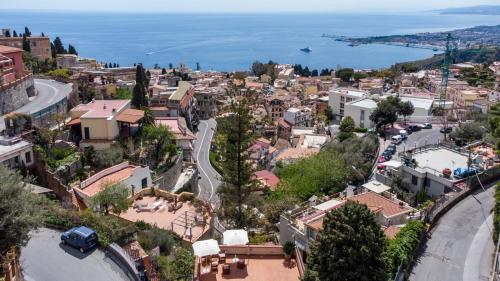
(262, 262)
(439, 159)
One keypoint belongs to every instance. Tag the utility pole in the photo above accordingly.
(445, 72)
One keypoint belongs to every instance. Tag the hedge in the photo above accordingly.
(401, 248)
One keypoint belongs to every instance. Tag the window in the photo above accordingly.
(27, 156)
(341, 105)
(342, 112)
(362, 117)
(342, 99)
(144, 182)
(310, 233)
(414, 180)
(427, 182)
(86, 133)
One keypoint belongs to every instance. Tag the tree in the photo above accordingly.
(59, 47)
(468, 132)
(7, 33)
(26, 44)
(406, 109)
(113, 196)
(72, 50)
(14, 34)
(139, 98)
(346, 128)
(123, 94)
(182, 264)
(27, 32)
(149, 118)
(359, 75)
(198, 67)
(19, 210)
(237, 183)
(163, 71)
(345, 74)
(314, 72)
(350, 247)
(158, 142)
(43, 34)
(385, 113)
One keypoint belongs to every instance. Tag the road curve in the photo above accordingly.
(49, 92)
(209, 181)
(45, 259)
(461, 245)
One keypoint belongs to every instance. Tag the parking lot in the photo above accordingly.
(44, 258)
(416, 139)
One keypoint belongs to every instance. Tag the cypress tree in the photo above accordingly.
(27, 32)
(59, 47)
(7, 33)
(139, 98)
(72, 50)
(26, 44)
(14, 33)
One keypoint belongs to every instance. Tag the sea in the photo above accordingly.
(231, 42)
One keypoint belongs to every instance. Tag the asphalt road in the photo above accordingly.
(209, 181)
(416, 139)
(461, 245)
(46, 259)
(48, 92)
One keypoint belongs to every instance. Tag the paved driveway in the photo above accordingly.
(461, 245)
(45, 259)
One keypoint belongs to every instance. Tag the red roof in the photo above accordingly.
(267, 178)
(8, 50)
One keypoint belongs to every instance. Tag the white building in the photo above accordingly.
(360, 110)
(422, 108)
(339, 97)
(14, 152)
(133, 177)
(298, 117)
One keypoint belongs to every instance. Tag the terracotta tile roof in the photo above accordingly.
(74, 121)
(316, 224)
(296, 153)
(267, 178)
(283, 123)
(8, 50)
(130, 115)
(118, 176)
(375, 201)
(391, 231)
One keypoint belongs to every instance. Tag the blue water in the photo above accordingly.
(233, 41)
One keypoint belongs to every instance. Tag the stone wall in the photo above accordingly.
(167, 179)
(16, 96)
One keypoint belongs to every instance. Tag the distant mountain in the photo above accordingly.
(473, 10)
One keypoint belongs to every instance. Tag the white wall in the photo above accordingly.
(355, 113)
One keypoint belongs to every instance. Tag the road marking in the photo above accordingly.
(200, 166)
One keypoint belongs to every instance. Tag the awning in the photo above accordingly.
(130, 116)
(235, 237)
(73, 122)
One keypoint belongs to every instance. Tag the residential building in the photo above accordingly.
(178, 101)
(277, 104)
(39, 45)
(261, 152)
(7, 71)
(74, 61)
(15, 152)
(183, 137)
(16, 57)
(206, 102)
(298, 116)
(360, 110)
(339, 97)
(100, 122)
(422, 108)
(132, 177)
(302, 224)
(372, 85)
(424, 169)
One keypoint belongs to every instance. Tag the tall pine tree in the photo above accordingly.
(237, 184)
(351, 247)
(7, 33)
(59, 47)
(27, 32)
(14, 33)
(26, 44)
(72, 50)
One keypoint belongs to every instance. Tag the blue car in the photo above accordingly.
(464, 172)
(81, 238)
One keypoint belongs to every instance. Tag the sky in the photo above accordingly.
(210, 6)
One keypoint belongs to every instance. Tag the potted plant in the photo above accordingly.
(446, 172)
(288, 248)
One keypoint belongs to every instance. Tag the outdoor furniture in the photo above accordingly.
(240, 263)
(214, 264)
(146, 208)
(226, 269)
(222, 257)
(140, 204)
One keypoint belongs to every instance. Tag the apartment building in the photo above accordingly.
(299, 116)
(339, 97)
(39, 45)
(167, 101)
(15, 152)
(360, 110)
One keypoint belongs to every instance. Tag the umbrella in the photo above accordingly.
(206, 248)
(235, 237)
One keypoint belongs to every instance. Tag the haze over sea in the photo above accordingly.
(234, 41)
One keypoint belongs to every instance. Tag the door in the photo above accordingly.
(86, 133)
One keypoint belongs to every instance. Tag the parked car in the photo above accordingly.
(387, 155)
(81, 238)
(407, 130)
(415, 128)
(390, 150)
(464, 172)
(381, 159)
(392, 146)
(396, 139)
(403, 134)
(446, 130)
(426, 126)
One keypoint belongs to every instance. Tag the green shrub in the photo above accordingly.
(401, 249)
(361, 130)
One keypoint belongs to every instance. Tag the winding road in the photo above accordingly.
(49, 92)
(44, 258)
(209, 181)
(461, 245)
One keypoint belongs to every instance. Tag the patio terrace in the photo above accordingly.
(186, 220)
